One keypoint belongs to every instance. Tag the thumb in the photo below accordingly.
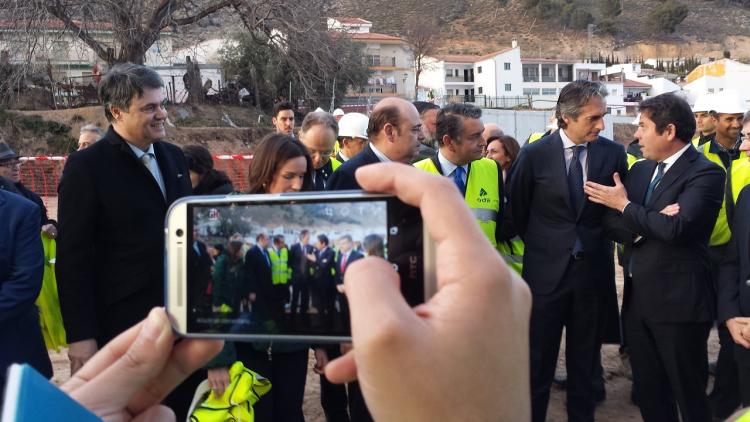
(616, 178)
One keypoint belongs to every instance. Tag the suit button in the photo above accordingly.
(747, 283)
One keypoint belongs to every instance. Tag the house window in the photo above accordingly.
(548, 73)
(549, 91)
(449, 73)
(530, 72)
(710, 90)
(565, 73)
(531, 91)
(479, 70)
(479, 90)
(507, 66)
(455, 72)
(507, 86)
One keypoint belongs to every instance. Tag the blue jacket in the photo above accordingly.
(21, 270)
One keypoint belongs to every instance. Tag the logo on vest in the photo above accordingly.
(482, 192)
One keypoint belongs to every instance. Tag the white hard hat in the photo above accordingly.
(317, 110)
(637, 120)
(353, 125)
(338, 112)
(728, 102)
(703, 103)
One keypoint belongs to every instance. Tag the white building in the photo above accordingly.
(714, 77)
(543, 78)
(390, 59)
(490, 80)
(655, 82)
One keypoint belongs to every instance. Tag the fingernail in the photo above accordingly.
(153, 326)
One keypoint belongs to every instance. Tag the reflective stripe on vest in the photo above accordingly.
(740, 177)
(281, 273)
(512, 252)
(482, 192)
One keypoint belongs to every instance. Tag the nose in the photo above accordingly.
(297, 184)
(161, 112)
(600, 124)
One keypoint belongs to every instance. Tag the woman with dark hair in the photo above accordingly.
(204, 178)
(504, 149)
(280, 164)
(228, 278)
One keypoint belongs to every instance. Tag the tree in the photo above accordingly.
(610, 8)
(421, 35)
(667, 16)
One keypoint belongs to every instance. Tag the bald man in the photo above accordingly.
(491, 130)
(395, 133)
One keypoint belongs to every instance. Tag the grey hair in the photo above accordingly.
(450, 120)
(319, 118)
(574, 96)
(92, 128)
(746, 118)
(124, 82)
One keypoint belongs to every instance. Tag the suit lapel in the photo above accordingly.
(674, 172)
(594, 164)
(123, 148)
(638, 186)
(168, 171)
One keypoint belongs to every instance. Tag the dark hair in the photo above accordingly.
(668, 109)
(574, 96)
(382, 116)
(303, 233)
(423, 107)
(510, 145)
(450, 120)
(198, 158)
(347, 237)
(323, 239)
(272, 152)
(284, 105)
(373, 245)
(319, 118)
(260, 236)
(124, 82)
(278, 238)
(212, 181)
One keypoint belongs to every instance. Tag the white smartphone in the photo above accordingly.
(270, 267)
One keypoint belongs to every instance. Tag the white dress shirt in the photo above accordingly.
(382, 157)
(450, 168)
(568, 152)
(671, 160)
(152, 166)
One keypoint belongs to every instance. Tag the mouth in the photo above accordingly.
(157, 126)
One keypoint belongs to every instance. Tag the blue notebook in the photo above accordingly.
(29, 397)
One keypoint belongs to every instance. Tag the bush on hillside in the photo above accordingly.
(667, 16)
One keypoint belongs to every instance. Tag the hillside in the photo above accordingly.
(480, 26)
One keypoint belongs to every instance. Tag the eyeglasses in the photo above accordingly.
(10, 164)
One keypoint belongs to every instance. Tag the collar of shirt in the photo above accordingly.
(715, 147)
(448, 167)
(568, 154)
(674, 157)
(382, 157)
(343, 156)
(139, 152)
(567, 143)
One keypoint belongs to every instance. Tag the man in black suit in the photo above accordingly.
(325, 282)
(346, 256)
(301, 265)
(734, 278)
(395, 133)
(664, 215)
(113, 197)
(258, 278)
(567, 262)
(199, 274)
(318, 135)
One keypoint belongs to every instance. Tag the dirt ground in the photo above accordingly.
(616, 408)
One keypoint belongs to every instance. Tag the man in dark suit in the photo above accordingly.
(346, 256)
(664, 215)
(325, 284)
(567, 262)
(113, 197)
(21, 270)
(258, 278)
(318, 135)
(301, 265)
(199, 275)
(395, 133)
(734, 278)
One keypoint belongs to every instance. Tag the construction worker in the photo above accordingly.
(338, 114)
(479, 179)
(281, 272)
(551, 127)
(704, 122)
(352, 138)
(723, 149)
(633, 151)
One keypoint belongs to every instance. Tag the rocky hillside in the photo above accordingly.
(479, 26)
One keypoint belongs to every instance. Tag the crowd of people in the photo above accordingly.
(674, 202)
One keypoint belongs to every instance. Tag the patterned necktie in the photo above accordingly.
(458, 179)
(147, 160)
(659, 174)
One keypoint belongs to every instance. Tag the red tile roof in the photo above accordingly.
(352, 21)
(629, 83)
(466, 58)
(374, 36)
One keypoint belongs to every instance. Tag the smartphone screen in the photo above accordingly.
(276, 267)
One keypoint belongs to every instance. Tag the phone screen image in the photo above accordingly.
(277, 268)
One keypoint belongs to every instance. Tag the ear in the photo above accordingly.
(389, 131)
(116, 112)
(448, 141)
(670, 131)
(273, 120)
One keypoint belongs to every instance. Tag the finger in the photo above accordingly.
(742, 320)
(187, 356)
(156, 413)
(616, 178)
(137, 365)
(342, 370)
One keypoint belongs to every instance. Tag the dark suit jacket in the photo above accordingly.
(258, 278)
(545, 219)
(343, 177)
(110, 252)
(734, 278)
(671, 272)
(21, 270)
(353, 256)
(20, 189)
(326, 259)
(298, 261)
(199, 274)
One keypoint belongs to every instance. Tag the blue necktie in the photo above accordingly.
(268, 260)
(458, 179)
(659, 174)
(575, 187)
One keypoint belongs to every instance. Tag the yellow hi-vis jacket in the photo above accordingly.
(738, 176)
(236, 403)
(335, 163)
(483, 199)
(281, 272)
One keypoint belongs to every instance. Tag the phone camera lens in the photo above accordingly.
(179, 232)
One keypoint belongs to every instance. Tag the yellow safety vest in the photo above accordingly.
(740, 177)
(335, 163)
(48, 302)
(535, 137)
(281, 273)
(236, 403)
(632, 159)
